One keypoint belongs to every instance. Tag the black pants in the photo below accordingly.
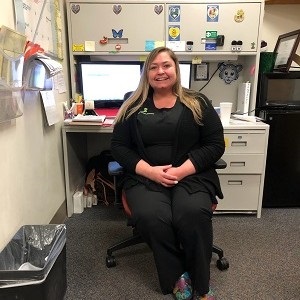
(178, 228)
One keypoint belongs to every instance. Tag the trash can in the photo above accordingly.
(33, 264)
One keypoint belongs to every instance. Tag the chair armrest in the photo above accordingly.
(114, 168)
(220, 164)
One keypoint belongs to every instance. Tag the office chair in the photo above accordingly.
(120, 201)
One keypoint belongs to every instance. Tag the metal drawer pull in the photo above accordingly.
(237, 164)
(239, 144)
(235, 182)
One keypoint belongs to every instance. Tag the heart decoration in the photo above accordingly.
(75, 8)
(174, 32)
(117, 8)
(158, 9)
(174, 12)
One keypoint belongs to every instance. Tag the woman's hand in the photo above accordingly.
(187, 168)
(158, 174)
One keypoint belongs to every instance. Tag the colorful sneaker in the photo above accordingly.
(183, 288)
(209, 296)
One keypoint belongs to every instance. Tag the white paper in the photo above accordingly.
(50, 107)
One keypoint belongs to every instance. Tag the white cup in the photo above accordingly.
(225, 112)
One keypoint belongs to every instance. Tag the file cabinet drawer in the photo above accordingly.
(240, 192)
(243, 164)
(245, 142)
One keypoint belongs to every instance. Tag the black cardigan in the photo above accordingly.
(202, 144)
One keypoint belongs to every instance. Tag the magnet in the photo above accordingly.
(75, 8)
(117, 8)
(117, 34)
(103, 41)
(220, 40)
(174, 33)
(240, 16)
(118, 47)
(212, 13)
(189, 46)
(174, 13)
(158, 9)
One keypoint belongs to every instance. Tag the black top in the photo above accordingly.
(202, 144)
(157, 128)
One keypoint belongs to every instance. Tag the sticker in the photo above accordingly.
(174, 13)
(117, 8)
(149, 45)
(89, 45)
(240, 16)
(226, 140)
(78, 48)
(103, 41)
(212, 13)
(158, 9)
(176, 45)
(174, 33)
(211, 34)
(75, 8)
(229, 72)
(117, 34)
(211, 46)
(118, 47)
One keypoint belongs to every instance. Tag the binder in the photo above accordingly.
(243, 98)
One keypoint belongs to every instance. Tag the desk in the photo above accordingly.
(80, 142)
(242, 181)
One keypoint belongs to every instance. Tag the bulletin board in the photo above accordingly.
(40, 21)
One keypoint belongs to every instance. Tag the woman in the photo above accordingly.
(168, 138)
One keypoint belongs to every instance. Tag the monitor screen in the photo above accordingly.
(185, 73)
(109, 81)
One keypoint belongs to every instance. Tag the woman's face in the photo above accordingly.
(162, 72)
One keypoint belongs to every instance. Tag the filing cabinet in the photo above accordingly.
(243, 179)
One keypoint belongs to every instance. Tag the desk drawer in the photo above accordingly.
(245, 142)
(243, 164)
(240, 192)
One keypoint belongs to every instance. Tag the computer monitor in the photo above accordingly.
(107, 82)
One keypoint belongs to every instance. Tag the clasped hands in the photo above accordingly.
(167, 175)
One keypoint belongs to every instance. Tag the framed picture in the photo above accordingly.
(286, 48)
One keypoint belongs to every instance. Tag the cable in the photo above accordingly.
(219, 65)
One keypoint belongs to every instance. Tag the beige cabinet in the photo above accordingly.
(232, 20)
(243, 179)
(112, 27)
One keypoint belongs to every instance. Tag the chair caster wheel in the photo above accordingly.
(222, 264)
(110, 261)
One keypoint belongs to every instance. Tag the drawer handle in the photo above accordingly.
(237, 164)
(235, 182)
(239, 144)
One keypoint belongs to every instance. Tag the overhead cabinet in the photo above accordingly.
(137, 27)
(103, 27)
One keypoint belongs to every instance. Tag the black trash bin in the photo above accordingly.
(33, 264)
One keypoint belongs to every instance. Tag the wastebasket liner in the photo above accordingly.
(37, 246)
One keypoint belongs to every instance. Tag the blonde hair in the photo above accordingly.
(138, 97)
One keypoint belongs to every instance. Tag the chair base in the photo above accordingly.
(222, 262)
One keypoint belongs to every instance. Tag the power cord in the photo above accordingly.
(219, 65)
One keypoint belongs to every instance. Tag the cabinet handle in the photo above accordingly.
(237, 164)
(235, 182)
(239, 144)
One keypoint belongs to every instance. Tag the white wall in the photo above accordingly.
(279, 19)
(31, 164)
